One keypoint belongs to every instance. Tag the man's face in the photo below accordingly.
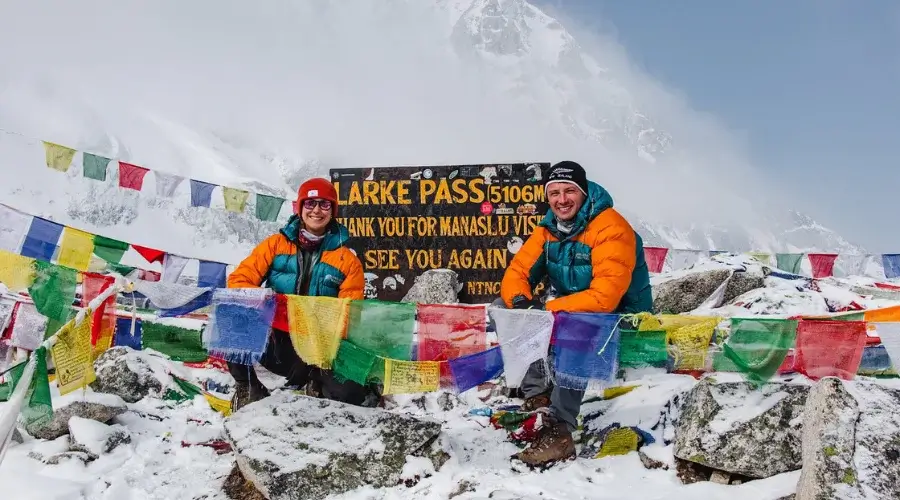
(565, 199)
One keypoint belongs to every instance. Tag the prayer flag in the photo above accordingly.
(13, 227)
(124, 334)
(94, 166)
(41, 239)
(53, 293)
(475, 369)
(407, 377)
(759, 346)
(682, 259)
(131, 176)
(109, 249)
(201, 193)
(166, 184)
(852, 265)
(689, 342)
(179, 344)
(103, 323)
(891, 263)
(450, 331)
(59, 158)
(890, 339)
(28, 327)
(640, 349)
(830, 348)
(586, 347)
(72, 356)
(789, 262)
(212, 274)
(524, 337)
(16, 272)
(173, 266)
(268, 207)
(240, 322)
(822, 264)
(151, 254)
(385, 328)
(39, 410)
(891, 313)
(763, 257)
(235, 199)
(317, 325)
(353, 363)
(655, 257)
(75, 249)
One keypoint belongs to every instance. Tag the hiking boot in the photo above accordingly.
(536, 402)
(554, 444)
(246, 393)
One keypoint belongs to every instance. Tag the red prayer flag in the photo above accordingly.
(450, 331)
(655, 257)
(131, 176)
(150, 275)
(280, 321)
(830, 348)
(103, 322)
(886, 286)
(822, 264)
(150, 254)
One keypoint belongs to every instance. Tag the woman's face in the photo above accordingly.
(316, 214)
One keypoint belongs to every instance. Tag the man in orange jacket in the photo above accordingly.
(595, 263)
(308, 256)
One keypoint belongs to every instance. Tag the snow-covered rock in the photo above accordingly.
(292, 446)
(851, 442)
(435, 286)
(734, 428)
(687, 292)
(92, 405)
(126, 373)
(742, 282)
(95, 438)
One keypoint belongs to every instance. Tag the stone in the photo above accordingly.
(689, 472)
(651, 463)
(95, 438)
(238, 488)
(126, 373)
(17, 437)
(742, 282)
(720, 477)
(291, 446)
(435, 286)
(851, 442)
(734, 428)
(99, 407)
(688, 292)
(67, 456)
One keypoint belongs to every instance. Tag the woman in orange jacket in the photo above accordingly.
(308, 256)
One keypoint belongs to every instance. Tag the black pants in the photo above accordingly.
(281, 359)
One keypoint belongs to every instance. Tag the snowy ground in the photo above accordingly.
(165, 459)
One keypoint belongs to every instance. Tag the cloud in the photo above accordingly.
(223, 89)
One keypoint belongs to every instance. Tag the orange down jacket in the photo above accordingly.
(597, 267)
(336, 271)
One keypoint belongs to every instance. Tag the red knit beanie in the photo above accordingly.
(321, 188)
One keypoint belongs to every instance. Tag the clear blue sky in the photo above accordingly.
(812, 85)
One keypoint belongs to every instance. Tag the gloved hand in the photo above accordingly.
(521, 302)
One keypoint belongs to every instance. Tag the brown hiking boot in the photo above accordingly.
(553, 445)
(536, 402)
(246, 393)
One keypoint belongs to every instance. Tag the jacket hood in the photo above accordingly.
(598, 199)
(336, 235)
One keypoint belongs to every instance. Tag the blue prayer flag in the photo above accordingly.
(891, 262)
(201, 193)
(212, 275)
(240, 322)
(585, 347)
(201, 301)
(475, 369)
(41, 239)
(123, 333)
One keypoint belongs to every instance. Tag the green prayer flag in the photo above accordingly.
(38, 410)
(758, 346)
(638, 349)
(184, 390)
(53, 292)
(268, 207)
(789, 262)
(851, 316)
(180, 344)
(353, 363)
(94, 166)
(384, 328)
(109, 249)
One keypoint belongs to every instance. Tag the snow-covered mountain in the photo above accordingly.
(261, 98)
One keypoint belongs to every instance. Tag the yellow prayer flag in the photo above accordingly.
(317, 325)
(58, 157)
(16, 271)
(621, 441)
(764, 257)
(406, 377)
(75, 249)
(222, 406)
(689, 343)
(235, 199)
(72, 355)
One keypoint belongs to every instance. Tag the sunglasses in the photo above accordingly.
(311, 204)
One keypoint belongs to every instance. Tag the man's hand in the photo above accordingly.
(521, 302)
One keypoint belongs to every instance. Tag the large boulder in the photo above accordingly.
(851, 442)
(292, 446)
(91, 405)
(688, 292)
(435, 286)
(742, 282)
(128, 374)
(95, 438)
(741, 430)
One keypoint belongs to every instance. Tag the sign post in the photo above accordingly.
(471, 219)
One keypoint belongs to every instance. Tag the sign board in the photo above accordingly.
(468, 218)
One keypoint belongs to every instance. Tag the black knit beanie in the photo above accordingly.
(568, 171)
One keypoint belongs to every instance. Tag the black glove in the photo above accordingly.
(521, 302)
